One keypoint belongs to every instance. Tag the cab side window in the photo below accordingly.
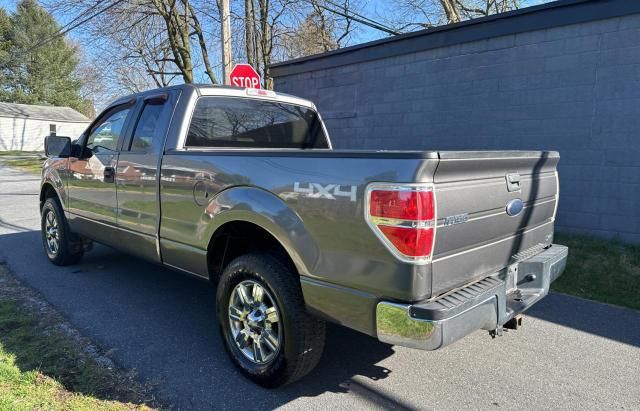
(146, 128)
(106, 133)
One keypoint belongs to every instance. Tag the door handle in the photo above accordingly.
(109, 175)
(513, 182)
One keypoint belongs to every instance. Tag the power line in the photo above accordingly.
(346, 14)
(388, 29)
(356, 17)
(62, 31)
(83, 12)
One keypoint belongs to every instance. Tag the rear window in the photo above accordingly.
(238, 122)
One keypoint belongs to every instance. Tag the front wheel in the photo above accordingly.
(57, 239)
(266, 329)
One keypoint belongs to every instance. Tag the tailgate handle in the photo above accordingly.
(513, 182)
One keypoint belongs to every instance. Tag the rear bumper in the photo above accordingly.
(486, 304)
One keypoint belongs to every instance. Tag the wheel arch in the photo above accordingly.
(239, 237)
(47, 191)
(52, 186)
(251, 219)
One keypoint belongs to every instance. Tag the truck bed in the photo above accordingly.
(328, 233)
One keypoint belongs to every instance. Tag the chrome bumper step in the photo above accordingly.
(486, 304)
(451, 304)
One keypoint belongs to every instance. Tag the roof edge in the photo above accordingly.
(47, 119)
(543, 16)
(41, 112)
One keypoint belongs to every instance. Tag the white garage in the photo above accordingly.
(24, 127)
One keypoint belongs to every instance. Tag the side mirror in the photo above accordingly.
(57, 146)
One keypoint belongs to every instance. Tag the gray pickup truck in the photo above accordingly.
(242, 188)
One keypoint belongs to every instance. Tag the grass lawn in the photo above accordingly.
(44, 366)
(29, 164)
(30, 161)
(606, 271)
(18, 153)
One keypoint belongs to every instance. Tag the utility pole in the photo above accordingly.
(225, 24)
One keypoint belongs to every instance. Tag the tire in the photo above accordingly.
(297, 337)
(60, 244)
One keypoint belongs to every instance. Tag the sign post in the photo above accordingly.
(244, 75)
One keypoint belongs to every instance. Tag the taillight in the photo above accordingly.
(403, 216)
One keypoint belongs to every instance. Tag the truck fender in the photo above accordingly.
(51, 177)
(268, 211)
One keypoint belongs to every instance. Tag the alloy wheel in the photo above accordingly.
(52, 234)
(254, 321)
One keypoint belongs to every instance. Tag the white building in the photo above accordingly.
(24, 127)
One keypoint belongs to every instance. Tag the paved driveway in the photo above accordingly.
(571, 353)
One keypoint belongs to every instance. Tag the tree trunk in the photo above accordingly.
(178, 36)
(203, 46)
(248, 33)
(265, 43)
(450, 10)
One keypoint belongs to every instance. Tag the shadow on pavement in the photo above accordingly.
(615, 323)
(162, 324)
(13, 227)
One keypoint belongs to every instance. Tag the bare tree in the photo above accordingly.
(450, 10)
(153, 43)
(263, 24)
(146, 51)
(163, 38)
(479, 8)
(249, 36)
(313, 36)
(411, 14)
(279, 29)
(180, 22)
(331, 22)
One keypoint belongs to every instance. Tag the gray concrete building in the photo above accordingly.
(561, 76)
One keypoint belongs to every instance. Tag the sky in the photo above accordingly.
(373, 9)
(8, 4)
(364, 33)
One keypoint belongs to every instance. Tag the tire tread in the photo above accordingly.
(310, 331)
(66, 253)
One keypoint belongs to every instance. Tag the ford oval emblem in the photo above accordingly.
(514, 207)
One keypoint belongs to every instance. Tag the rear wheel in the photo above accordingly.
(57, 239)
(266, 329)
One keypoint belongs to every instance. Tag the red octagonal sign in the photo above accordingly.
(243, 75)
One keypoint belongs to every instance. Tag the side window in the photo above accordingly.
(146, 127)
(106, 133)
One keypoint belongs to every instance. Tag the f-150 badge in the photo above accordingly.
(329, 191)
(456, 219)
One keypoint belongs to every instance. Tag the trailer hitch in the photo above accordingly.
(512, 324)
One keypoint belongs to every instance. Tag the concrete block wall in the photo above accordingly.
(572, 88)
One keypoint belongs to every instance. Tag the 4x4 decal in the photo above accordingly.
(329, 191)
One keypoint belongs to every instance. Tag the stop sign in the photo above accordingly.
(243, 75)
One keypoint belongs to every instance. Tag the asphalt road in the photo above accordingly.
(570, 354)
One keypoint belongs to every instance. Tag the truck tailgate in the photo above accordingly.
(475, 234)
